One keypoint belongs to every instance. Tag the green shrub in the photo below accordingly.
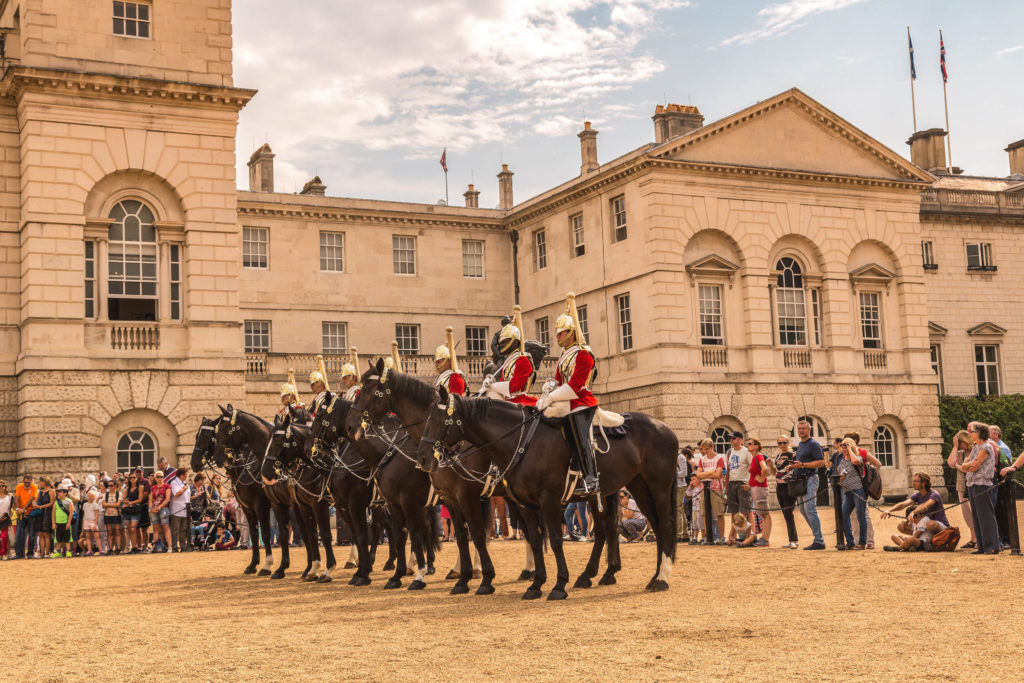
(1006, 411)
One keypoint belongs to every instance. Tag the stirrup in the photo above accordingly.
(582, 489)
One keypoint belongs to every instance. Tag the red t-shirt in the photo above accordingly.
(757, 466)
(158, 494)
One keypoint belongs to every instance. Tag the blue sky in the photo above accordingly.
(367, 94)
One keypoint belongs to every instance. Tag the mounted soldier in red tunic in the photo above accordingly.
(350, 376)
(447, 365)
(318, 385)
(514, 378)
(290, 398)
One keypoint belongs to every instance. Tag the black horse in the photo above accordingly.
(240, 432)
(533, 460)
(390, 453)
(345, 477)
(309, 492)
(460, 486)
(244, 475)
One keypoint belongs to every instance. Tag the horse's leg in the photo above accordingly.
(307, 528)
(642, 496)
(323, 522)
(516, 513)
(418, 534)
(478, 530)
(551, 508)
(535, 536)
(465, 573)
(263, 515)
(594, 563)
(398, 534)
(284, 526)
(250, 516)
(361, 577)
(663, 522)
(609, 530)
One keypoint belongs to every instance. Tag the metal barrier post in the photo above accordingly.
(1010, 510)
(837, 507)
(709, 536)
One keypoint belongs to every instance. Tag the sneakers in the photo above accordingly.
(761, 543)
(815, 546)
(54, 555)
(890, 549)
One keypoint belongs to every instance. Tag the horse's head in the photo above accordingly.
(284, 451)
(442, 431)
(328, 425)
(229, 439)
(202, 452)
(374, 402)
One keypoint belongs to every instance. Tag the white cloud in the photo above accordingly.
(399, 74)
(1008, 50)
(777, 20)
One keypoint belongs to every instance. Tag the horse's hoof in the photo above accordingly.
(430, 570)
(477, 574)
(525, 575)
(417, 585)
(607, 580)
(452, 575)
(352, 581)
(250, 570)
(531, 594)
(484, 589)
(583, 582)
(277, 575)
(325, 578)
(305, 574)
(351, 565)
(389, 566)
(657, 585)
(360, 581)
(459, 589)
(392, 583)
(264, 572)
(309, 578)
(557, 594)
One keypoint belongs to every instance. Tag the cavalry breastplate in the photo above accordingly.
(567, 366)
(508, 370)
(350, 394)
(442, 380)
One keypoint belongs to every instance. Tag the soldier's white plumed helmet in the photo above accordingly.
(288, 390)
(348, 370)
(564, 323)
(442, 353)
(315, 377)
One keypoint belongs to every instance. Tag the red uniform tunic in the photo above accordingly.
(453, 382)
(576, 368)
(294, 405)
(517, 370)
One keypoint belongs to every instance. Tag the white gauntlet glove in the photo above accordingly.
(549, 386)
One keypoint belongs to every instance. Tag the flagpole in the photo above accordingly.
(913, 105)
(446, 185)
(945, 104)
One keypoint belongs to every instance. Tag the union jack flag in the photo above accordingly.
(444, 157)
(913, 71)
(942, 58)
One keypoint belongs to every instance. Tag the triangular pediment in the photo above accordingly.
(713, 263)
(987, 329)
(936, 330)
(872, 272)
(792, 131)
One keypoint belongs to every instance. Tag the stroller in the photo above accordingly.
(212, 517)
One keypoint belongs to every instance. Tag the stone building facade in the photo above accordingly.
(741, 274)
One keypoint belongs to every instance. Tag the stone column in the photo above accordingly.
(102, 270)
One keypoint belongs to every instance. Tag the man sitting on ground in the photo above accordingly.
(926, 501)
(921, 531)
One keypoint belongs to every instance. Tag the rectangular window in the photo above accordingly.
(131, 19)
(542, 331)
(476, 340)
(709, 298)
(175, 256)
(472, 258)
(816, 315)
(928, 256)
(540, 250)
(581, 311)
(332, 251)
(979, 256)
(408, 338)
(986, 365)
(619, 218)
(335, 336)
(90, 279)
(792, 314)
(936, 353)
(576, 230)
(257, 336)
(870, 320)
(403, 249)
(254, 247)
(625, 322)
(132, 270)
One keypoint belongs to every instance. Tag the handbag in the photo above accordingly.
(872, 481)
(5, 521)
(797, 487)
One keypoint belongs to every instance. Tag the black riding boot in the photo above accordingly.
(579, 429)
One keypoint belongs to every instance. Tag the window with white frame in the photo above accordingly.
(885, 446)
(791, 307)
(542, 331)
(90, 279)
(335, 338)
(332, 251)
(709, 300)
(819, 432)
(472, 258)
(257, 336)
(540, 250)
(816, 315)
(132, 262)
(476, 340)
(979, 256)
(403, 248)
(254, 247)
(928, 255)
(579, 248)
(619, 218)
(175, 268)
(136, 448)
(625, 322)
(936, 357)
(870, 320)
(720, 439)
(408, 338)
(986, 366)
(132, 19)
(581, 315)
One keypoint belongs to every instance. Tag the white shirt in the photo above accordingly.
(178, 504)
(5, 504)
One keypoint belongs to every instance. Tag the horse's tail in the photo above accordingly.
(435, 529)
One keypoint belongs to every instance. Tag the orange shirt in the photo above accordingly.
(23, 497)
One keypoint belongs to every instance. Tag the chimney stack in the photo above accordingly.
(1016, 151)
(672, 121)
(472, 197)
(588, 149)
(505, 188)
(928, 149)
(314, 187)
(261, 170)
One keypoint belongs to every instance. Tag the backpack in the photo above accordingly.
(872, 481)
(947, 539)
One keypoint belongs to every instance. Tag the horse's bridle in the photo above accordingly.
(380, 391)
(445, 444)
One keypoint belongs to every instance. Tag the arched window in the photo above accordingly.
(720, 438)
(136, 449)
(132, 262)
(819, 432)
(885, 446)
(791, 307)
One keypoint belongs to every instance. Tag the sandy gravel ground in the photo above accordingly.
(754, 614)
